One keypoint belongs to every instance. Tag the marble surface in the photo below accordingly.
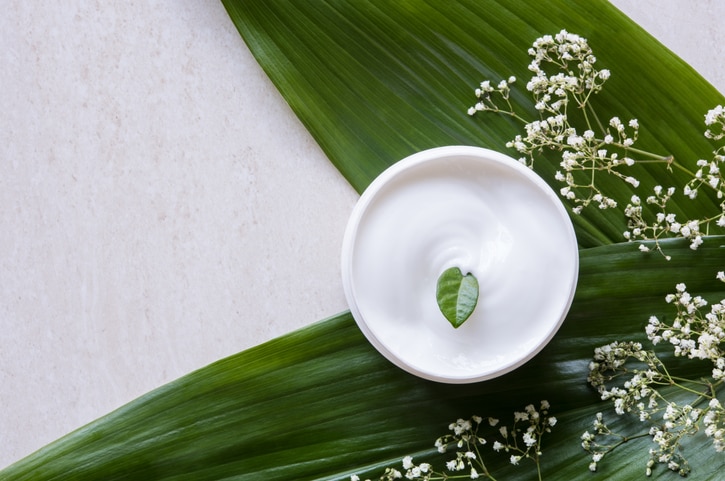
(160, 205)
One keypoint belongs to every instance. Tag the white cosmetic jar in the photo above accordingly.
(466, 207)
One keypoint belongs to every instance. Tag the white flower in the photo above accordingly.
(529, 439)
(714, 115)
(515, 459)
(632, 180)
(442, 448)
(521, 416)
(407, 462)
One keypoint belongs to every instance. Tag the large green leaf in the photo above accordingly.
(321, 403)
(375, 81)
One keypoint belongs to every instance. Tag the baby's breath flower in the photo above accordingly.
(529, 439)
(715, 121)
(565, 74)
(464, 439)
(575, 80)
(628, 375)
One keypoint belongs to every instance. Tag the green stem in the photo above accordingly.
(586, 117)
(675, 380)
(481, 463)
(682, 168)
(625, 439)
(513, 114)
(596, 117)
(650, 155)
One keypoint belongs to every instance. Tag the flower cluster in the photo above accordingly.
(629, 376)
(715, 121)
(565, 78)
(488, 97)
(665, 223)
(522, 440)
(530, 425)
(708, 173)
(692, 333)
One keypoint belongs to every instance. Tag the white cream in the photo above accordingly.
(471, 208)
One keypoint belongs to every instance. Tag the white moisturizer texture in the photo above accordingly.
(473, 209)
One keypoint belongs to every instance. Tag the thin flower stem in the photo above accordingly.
(680, 167)
(675, 380)
(513, 114)
(596, 117)
(626, 439)
(479, 458)
(651, 155)
(586, 118)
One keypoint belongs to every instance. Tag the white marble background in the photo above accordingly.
(160, 205)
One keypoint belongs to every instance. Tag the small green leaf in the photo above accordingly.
(457, 295)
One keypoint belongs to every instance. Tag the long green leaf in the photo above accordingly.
(376, 81)
(321, 403)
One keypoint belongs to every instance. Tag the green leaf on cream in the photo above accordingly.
(457, 295)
